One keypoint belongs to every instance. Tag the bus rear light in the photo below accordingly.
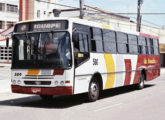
(58, 72)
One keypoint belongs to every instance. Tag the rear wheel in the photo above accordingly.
(94, 90)
(141, 82)
(46, 97)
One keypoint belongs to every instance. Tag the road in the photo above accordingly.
(124, 103)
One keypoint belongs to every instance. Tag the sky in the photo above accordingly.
(128, 6)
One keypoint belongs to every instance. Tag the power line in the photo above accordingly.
(56, 4)
(142, 13)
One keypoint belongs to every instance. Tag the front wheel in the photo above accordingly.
(94, 90)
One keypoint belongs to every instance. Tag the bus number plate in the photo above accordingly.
(95, 61)
(36, 90)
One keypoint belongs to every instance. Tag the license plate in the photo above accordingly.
(36, 90)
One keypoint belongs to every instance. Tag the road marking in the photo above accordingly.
(104, 108)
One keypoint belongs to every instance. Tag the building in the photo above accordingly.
(9, 13)
(36, 9)
(12, 11)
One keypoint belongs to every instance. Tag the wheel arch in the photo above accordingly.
(99, 79)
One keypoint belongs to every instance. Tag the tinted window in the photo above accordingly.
(122, 43)
(150, 46)
(80, 42)
(109, 41)
(156, 48)
(142, 45)
(96, 40)
(132, 40)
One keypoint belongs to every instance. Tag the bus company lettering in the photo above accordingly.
(47, 26)
(149, 61)
(145, 61)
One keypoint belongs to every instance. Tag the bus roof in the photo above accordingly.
(88, 23)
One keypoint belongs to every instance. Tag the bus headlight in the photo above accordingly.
(19, 82)
(13, 82)
(56, 82)
(62, 83)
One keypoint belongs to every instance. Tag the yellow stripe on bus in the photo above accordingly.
(110, 66)
(33, 72)
(105, 26)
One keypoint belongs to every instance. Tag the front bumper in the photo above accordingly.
(66, 90)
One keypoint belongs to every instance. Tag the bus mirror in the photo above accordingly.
(7, 42)
(75, 37)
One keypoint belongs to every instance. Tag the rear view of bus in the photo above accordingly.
(42, 58)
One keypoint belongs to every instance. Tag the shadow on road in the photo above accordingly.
(65, 101)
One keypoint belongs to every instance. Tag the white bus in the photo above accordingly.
(72, 56)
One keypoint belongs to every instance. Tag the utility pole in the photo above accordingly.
(81, 9)
(139, 17)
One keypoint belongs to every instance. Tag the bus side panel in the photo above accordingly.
(153, 67)
(141, 64)
(112, 69)
(85, 71)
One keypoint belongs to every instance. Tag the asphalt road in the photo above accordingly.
(124, 103)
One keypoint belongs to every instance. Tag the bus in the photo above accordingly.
(68, 56)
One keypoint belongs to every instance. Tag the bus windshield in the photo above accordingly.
(42, 50)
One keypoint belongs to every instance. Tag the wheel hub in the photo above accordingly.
(94, 89)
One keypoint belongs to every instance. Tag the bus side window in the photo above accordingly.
(96, 40)
(150, 46)
(75, 37)
(133, 48)
(109, 41)
(142, 45)
(156, 48)
(81, 48)
(122, 43)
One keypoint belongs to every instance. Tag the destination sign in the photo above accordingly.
(42, 26)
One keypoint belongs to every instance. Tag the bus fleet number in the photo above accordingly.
(95, 61)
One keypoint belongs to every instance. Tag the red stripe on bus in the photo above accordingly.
(128, 69)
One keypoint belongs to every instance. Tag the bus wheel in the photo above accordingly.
(141, 82)
(94, 90)
(46, 97)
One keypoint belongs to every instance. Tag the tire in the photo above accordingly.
(94, 90)
(46, 97)
(141, 82)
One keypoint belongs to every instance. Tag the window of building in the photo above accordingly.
(132, 41)
(0, 24)
(10, 24)
(122, 43)
(38, 13)
(2, 7)
(109, 41)
(96, 40)
(12, 8)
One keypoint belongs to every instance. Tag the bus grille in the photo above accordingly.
(37, 82)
